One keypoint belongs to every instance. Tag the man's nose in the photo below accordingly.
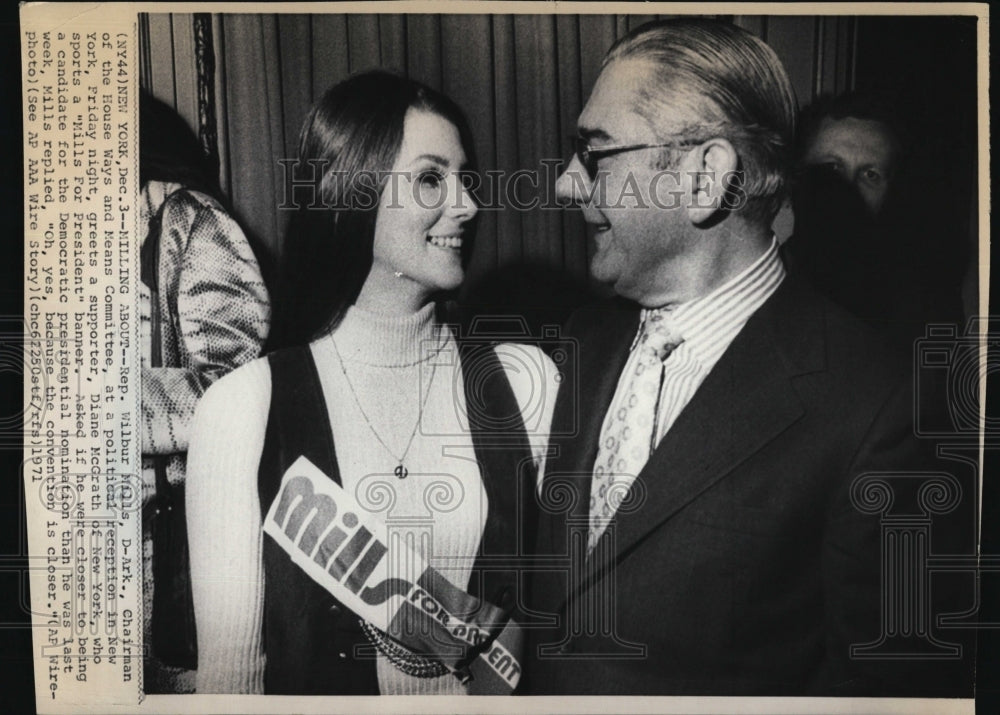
(573, 184)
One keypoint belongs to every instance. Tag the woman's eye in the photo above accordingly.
(431, 179)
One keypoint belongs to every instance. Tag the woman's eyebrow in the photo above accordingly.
(441, 161)
(432, 157)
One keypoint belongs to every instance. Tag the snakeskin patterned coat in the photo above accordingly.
(215, 316)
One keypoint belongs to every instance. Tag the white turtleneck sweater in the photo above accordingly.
(392, 365)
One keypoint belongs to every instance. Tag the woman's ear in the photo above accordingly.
(712, 170)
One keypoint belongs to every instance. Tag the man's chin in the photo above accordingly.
(602, 271)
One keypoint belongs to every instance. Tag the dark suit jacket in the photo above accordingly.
(739, 564)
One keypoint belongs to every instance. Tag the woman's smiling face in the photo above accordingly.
(423, 212)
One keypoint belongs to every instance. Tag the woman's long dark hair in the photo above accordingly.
(348, 144)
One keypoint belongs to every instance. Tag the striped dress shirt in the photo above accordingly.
(707, 325)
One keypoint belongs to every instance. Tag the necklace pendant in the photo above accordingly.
(401, 471)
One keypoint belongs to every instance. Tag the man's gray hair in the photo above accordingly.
(715, 79)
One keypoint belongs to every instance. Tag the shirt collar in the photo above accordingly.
(708, 323)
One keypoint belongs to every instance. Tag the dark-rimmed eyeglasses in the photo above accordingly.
(589, 156)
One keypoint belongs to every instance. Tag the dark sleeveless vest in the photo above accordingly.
(314, 645)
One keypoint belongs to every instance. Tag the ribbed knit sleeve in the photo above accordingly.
(224, 530)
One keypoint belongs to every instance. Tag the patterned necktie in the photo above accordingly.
(627, 438)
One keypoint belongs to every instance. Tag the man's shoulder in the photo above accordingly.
(809, 331)
(843, 345)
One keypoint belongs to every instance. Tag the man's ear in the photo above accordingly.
(713, 165)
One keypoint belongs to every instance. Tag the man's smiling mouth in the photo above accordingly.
(448, 242)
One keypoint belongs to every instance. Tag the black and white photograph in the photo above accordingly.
(562, 354)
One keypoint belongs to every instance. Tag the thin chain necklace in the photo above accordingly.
(400, 471)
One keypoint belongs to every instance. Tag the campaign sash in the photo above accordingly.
(343, 549)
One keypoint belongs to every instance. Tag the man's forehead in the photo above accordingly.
(610, 112)
(863, 136)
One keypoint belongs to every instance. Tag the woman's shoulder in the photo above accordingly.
(243, 391)
(204, 203)
(520, 361)
(534, 379)
(174, 193)
(190, 214)
(187, 208)
(167, 194)
(532, 373)
(230, 422)
(517, 358)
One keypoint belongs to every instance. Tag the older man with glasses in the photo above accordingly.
(701, 530)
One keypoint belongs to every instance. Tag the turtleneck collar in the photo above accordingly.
(386, 340)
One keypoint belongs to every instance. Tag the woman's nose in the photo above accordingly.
(461, 202)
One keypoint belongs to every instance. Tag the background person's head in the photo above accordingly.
(382, 152)
(170, 152)
(721, 98)
(857, 136)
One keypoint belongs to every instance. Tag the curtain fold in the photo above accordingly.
(538, 88)
(468, 79)
(509, 228)
(521, 80)
(254, 128)
(296, 55)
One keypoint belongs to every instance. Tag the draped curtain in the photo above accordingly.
(521, 79)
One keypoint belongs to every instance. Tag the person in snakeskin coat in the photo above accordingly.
(214, 315)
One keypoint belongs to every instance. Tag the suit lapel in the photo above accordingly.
(745, 402)
(579, 414)
(602, 338)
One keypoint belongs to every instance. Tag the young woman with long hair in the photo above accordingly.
(433, 434)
